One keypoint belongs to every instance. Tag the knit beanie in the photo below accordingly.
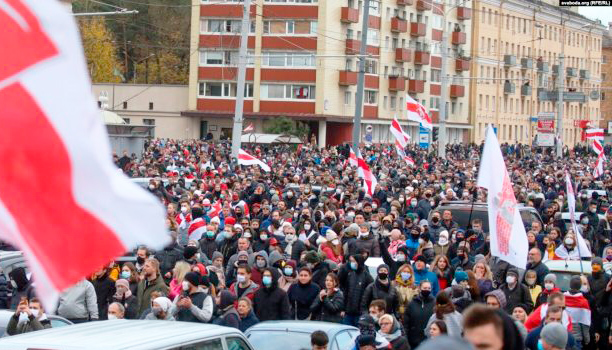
(193, 278)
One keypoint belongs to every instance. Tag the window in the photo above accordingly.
(373, 37)
(374, 8)
(288, 59)
(385, 102)
(371, 66)
(290, 27)
(347, 97)
(205, 345)
(223, 58)
(393, 102)
(236, 344)
(222, 89)
(223, 26)
(344, 340)
(126, 120)
(288, 92)
(124, 104)
(435, 76)
(150, 106)
(370, 97)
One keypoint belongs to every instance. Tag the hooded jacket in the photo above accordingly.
(256, 271)
(248, 321)
(271, 303)
(24, 287)
(105, 289)
(353, 284)
(425, 274)
(378, 290)
(416, 316)
(31, 325)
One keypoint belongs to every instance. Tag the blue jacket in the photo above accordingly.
(249, 321)
(425, 274)
(412, 246)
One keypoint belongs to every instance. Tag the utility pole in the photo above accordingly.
(560, 84)
(242, 63)
(443, 94)
(361, 78)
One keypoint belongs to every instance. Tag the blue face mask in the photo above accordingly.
(400, 257)
(266, 280)
(210, 234)
(227, 234)
(405, 276)
(288, 271)
(125, 274)
(540, 346)
(353, 265)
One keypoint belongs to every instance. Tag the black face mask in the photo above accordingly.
(140, 260)
(435, 220)
(383, 276)
(388, 227)
(425, 293)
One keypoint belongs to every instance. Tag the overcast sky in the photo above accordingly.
(597, 12)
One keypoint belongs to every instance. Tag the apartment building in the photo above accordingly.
(606, 85)
(516, 45)
(303, 63)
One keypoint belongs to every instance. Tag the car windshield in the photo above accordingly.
(462, 216)
(563, 279)
(279, 340)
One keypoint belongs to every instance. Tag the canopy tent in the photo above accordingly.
(111, 117)
(269, 138)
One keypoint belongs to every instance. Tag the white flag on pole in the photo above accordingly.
(583, 248)
(508, 237)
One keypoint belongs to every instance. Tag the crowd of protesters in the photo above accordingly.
(291, 244)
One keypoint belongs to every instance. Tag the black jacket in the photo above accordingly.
(249, 321)
(301, 298)
(377, 290)
(353, 284)
(131, 307)
(519, 296)
(271, 303)
(400, 343)
(168, 257)
(329, 309)
(229, 247)
(105, 289)
(319, 273)
(208, 247)
(416, 316)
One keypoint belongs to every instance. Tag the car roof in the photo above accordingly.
(117, 334)
(568, 266)
(566, 215)
(300, 326)
(477, 205)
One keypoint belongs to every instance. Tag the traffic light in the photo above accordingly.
(434, 134)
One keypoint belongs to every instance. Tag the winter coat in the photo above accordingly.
(531, 342)
(247, 322)
(519, 296)
(168, 257)
(405, 293)
(396, 338)
(369, 244)
(377, 290)
(271, 303)
(31, 325)
(201, 310)
(208, 247)
(301, 298)
(542, 298)
(79, 302)
(329, 309)
(425, 274)
(229, 318)
(145, 288)
(353, 284)
(249, 292)
(229, 247)
(105, 289)
(387, 259)
(416, 316)
(131, 307)
(319, 273)
(4, 293)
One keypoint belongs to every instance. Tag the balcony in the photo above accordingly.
(347, 78)
(349, 15)
(405, 2)
(421, 57)
(462, 65)
(509, 60)
(457, 91)
(525, 90)
(399, 25)
(509, 87)
(458, 38)
(416, 86)
(418, 29)
(423, 5)
(403, 55)
(585, 74)
(464, 13)
(543, 67)
(526, 63)
(397, 83)
(555, 69)
(352, 46)
(571, 72)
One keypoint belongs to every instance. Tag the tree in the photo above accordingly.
(284, 125)
(100, 51)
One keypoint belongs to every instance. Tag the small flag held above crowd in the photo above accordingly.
(583, 248)
(397, 131)
(249, 128)
(364, 172)
(246, 159)
(417, 113)
(595, 134)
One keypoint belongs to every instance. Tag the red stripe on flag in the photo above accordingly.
(23, 37)
(36, 188)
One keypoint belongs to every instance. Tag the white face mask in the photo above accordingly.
(34, 312)
(307, 227)
(112, 317)
(442, 241)
(289, 237)
(421, 241)
(569, 241)
(510, 279)
(183, 210)
(363, 234)
(549, 286)
(584, 288)
(186, 285)
(335, 242)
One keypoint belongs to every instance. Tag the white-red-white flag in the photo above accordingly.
(62, 200)
(196, 229)
(583, 248)
(577, 306)
(364, 172)
(595, 134)
(508, 237)
(599, 166)
(597, 147)
(352, 160)
(249, 128)
(402, 154)
(247, 159)
(215, 210)
(398, 132)
(417, 112)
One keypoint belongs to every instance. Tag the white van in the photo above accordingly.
(132, 335)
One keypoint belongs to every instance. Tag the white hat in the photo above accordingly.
(164, 303)
(330, 235)
(206, 201)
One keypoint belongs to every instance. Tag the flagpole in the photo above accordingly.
(361, 77)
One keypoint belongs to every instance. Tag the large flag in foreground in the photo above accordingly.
(508, 237)
(62, 200)
(247, 159)
(583, 248)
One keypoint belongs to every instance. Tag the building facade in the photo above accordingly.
(303, 63)
(516, 45)
(606, 85)
(151, 105)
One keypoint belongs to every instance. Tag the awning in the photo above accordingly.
(269, 138)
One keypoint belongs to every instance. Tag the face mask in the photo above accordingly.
(389, 200)
(151, 187)
(435, 219)
(540, 345)
(288, 271)
(442, 241)
(510, 279)
(260, 263)
(289, 237)
(307, 227)
(383, 276)
(584, 221)
(263, 237)
(210, 234)
(374, 206)
(125, 274)
(425, 293)
(240, 278)
(336, 242)
(35, 312)
(375, 317)
(353, 266)
(157, 311)
(266, 280)
(140, 260)
(363, 234)
(186, 285)
(413, 203)
(584, 288)
(227, 234)
(405, 276)
(530, 281)
(593, 210)
(421, 241)
(596, 268)
(112, 317)
(400, 257)
(549, 286)
(401, 199)
(569, 241)
(183, 210)
(374, 224)
(609, 257)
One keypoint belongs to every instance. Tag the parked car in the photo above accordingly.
(295, 335)
(5, 317)
(565, 269)
(132, 335)
(461, 213)
(565, 216)
(10, 260)
(144, 182)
